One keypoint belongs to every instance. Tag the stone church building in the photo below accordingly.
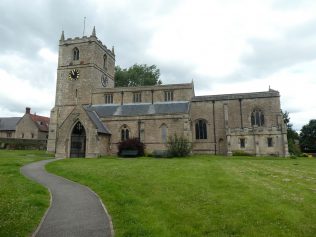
(91, 116)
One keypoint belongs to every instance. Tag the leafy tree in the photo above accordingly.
(308, 136)
(137, 75)
(292, 135)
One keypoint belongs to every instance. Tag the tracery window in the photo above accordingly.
(124, 133)
(168, 95)
(108, 98)
(137, 97)
(257, 118)
(76, 54)
(200, 129)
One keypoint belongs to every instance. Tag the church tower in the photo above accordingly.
(84, 65)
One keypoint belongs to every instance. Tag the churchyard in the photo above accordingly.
(202, 195)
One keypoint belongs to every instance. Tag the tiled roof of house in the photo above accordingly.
(8, 124)
(41, 122)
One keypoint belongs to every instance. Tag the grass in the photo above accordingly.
(22, 202)
(202, 195)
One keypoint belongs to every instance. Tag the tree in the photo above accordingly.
(178, 146)
(308, 136)
(137, 75)
(292, 135)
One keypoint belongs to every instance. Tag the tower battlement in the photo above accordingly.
(86, 39)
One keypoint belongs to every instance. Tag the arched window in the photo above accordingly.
(200, 129)
(257, 118)
(105, 62)
(164, 133)
(124, 133)
(76, 54)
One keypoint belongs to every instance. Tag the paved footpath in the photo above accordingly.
(75, 210)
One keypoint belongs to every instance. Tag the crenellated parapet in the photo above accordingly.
(85, 39)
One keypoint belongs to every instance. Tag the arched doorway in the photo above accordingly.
(78, 141)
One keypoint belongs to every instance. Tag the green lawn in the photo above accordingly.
(22, 202)
(202, 195)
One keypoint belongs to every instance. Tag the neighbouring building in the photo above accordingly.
(91, 116)
(7, 127)
(32, 126)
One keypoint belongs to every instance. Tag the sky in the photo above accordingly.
(224, 46)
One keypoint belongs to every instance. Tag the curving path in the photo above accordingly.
(75, 210)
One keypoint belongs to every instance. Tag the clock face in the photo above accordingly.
(73, 75)
(104, 80)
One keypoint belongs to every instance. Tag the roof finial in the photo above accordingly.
(93, 32)
(62, 37)
(113, 49)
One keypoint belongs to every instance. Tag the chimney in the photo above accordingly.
(27, 110)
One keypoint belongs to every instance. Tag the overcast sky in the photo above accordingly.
(225, 46)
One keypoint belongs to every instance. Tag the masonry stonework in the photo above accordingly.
(92, 116)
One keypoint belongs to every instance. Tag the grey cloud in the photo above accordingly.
(19, 107)
(270, 56)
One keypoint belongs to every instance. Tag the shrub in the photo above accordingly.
(178, 146)
(132, 144)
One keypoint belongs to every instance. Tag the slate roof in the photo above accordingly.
(101, 128)
(8, 124)
(139, 109)
(253, 95)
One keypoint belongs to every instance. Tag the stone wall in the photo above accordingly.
(149, 129)
(229, 120)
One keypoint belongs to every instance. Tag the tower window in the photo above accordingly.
(137, 97)
(76, 54)
(108, 98)
(168, 95)
(242, 142)
(257, 118)
(200, 129)
(270, 141)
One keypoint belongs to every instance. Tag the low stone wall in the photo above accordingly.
(22, 144)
